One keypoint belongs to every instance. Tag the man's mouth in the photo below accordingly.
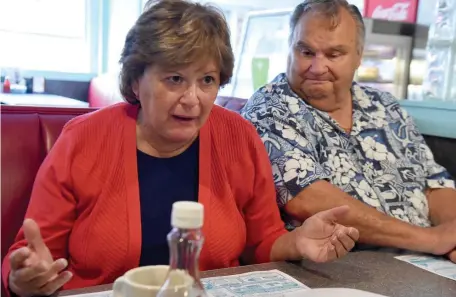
(317, 81)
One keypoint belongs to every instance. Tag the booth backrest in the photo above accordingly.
(27, 135)
(104, 91)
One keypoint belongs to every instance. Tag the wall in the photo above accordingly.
(71, 89)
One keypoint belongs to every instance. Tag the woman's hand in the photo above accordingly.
(321, 239)
(33, 270)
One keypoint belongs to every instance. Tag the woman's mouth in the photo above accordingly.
(183, 118)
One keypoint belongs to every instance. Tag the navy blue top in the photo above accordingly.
(163, 181)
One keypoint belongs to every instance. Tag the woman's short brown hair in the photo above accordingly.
(175, 33)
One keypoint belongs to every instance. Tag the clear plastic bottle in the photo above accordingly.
(185, 242)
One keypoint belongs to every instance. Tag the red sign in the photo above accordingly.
(392, 10)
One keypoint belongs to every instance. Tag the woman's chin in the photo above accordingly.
(182, 136)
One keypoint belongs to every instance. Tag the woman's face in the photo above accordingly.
(175, 103)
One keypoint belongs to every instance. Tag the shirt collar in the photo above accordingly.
(361, 100)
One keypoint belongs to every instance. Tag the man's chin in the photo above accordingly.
(316, 94)
(314, 91)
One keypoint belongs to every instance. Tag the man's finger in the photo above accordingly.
(334, 214)
(353, 233)
(452, 256)
(52, 286)
(18, 257)
(347, 242)
(338, 247)
(33, 235)
(331, 253)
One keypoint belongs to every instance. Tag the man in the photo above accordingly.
(333, 142)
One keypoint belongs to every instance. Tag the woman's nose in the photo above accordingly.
(190, 96)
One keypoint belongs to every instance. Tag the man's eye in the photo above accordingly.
(175, 79)
(306, 53)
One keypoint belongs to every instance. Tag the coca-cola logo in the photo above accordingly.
(397, 12)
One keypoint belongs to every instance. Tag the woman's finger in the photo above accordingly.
(50, 274)
(18, 257)
(26, 274)
(54, 285)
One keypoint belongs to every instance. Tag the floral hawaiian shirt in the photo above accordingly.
(384, 160)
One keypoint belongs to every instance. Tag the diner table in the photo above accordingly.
(374, 271)
(40, 100)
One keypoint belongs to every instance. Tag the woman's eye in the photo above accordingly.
(208, 80)
(175, 79)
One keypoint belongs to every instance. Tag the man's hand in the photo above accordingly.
(321, 239)
(443, 238)
(452, 256)
(33, 270)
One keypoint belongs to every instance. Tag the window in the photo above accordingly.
(48, 35)
(123, 15)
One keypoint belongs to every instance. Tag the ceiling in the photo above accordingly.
(268, 4)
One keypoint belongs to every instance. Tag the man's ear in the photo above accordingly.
(360, 58)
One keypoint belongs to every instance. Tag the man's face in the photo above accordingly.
(323, 59)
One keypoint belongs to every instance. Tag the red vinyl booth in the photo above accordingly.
(27, 135)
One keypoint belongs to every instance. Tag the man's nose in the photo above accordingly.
(319, 65)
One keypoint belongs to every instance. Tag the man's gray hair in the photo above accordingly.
(331, 10)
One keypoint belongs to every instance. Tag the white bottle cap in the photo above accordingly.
(187, 215)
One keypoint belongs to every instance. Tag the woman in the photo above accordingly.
(102, 199)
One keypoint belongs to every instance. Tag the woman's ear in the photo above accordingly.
(135, 88)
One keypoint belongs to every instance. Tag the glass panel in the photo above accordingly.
(47, 17)
(443, 28)
(453, 84)
(264, 53)
(438, 59)
(378, 68)
(441, 52)
(49, 35)
(49, 53)
(418, 68)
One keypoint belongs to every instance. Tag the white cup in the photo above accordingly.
(143, 281)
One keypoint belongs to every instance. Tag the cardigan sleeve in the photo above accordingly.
(262, 216)
(52, 204)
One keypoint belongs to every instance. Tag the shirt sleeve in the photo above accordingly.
(52, 204)
(294, 159)
(261, 214)
(436, 175)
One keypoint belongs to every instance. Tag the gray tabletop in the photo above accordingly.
(372, 271)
